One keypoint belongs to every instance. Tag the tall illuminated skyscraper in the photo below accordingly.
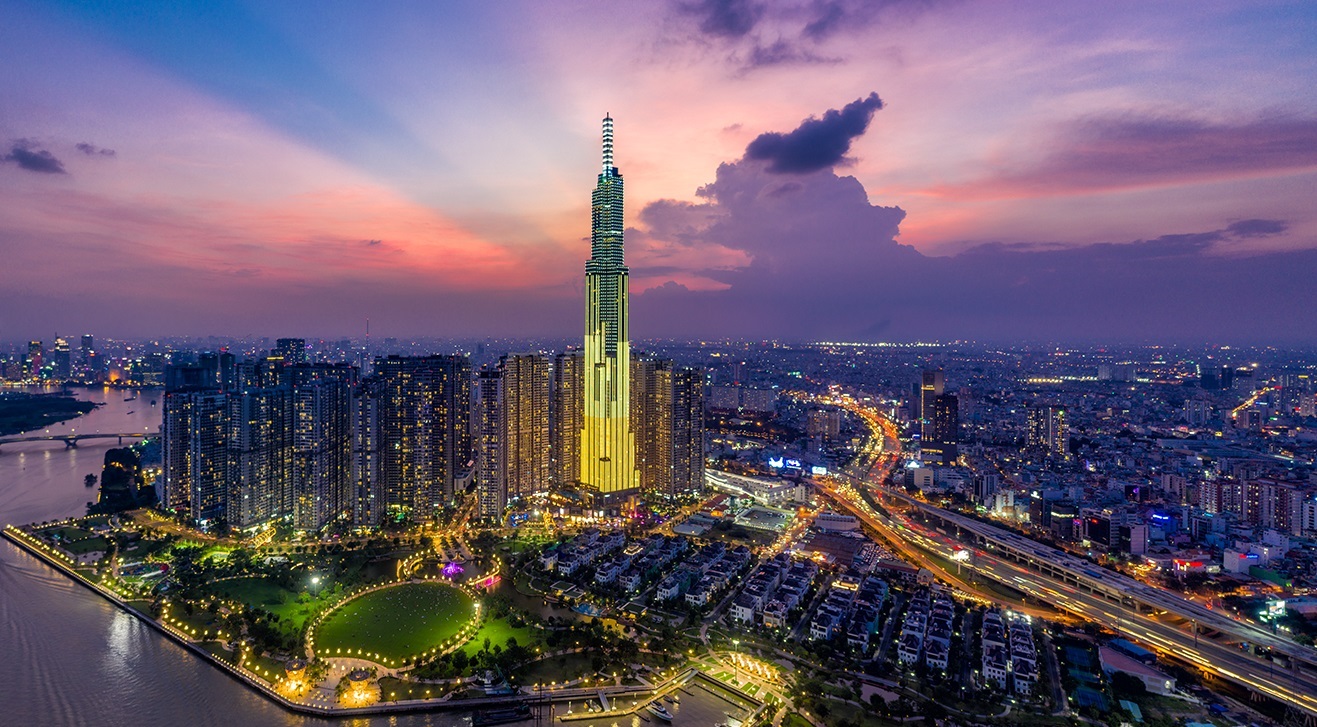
(608, 447)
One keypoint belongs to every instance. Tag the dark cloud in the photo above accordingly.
(820, 261)
(826, 19)
(1121, 153)
(92, 150)
(27, 156)
(817, 143)
(1257, 228)
(779, 53)
(725, 18)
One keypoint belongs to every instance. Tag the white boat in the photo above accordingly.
(659, 711)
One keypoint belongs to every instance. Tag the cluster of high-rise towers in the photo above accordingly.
(281, 439)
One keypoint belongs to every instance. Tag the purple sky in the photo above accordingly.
(820, 169)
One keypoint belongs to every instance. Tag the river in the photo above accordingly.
(68, 656)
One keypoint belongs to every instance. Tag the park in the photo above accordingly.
(396, 623)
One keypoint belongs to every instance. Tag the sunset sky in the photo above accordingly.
(820, 169)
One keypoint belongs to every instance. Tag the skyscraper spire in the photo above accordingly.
(608, 143)
(608, 448)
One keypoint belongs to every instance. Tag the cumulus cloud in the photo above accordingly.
(26, 155)
(817, 143)
(92, 150)
(819, 260)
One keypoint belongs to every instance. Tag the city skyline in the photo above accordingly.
(949, 361)
(1032, 173)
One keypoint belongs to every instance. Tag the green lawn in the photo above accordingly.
(76, 540)
(397, 690)
(260, 592)
(556, 669)
(396, 622)
(498, 630)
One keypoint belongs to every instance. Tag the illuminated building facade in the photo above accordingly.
(651, 421)
(608, 448)
(932, 385)
(525, 421)
(1049, 431)
(424, 415)
(491, 487)
(567, 417)
(687, 430)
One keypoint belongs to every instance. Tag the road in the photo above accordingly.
(1291, 687)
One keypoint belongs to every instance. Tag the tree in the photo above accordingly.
(1128, 684)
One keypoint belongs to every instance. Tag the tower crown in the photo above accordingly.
(608, 143)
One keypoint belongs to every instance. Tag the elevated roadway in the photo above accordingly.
(1114, 600)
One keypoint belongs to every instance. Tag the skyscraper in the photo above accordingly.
(942, 445)
(259, 483)
(424, 431)
(608, 448)
(291, 350)
(321, 443)
(491, 487)
(651, 421)
(34, 356)
(687, 430)
(567, 417)
(932, 385)
(525, 418)
(1049, 431)
(194, 452)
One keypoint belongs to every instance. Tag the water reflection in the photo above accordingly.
(70, 657)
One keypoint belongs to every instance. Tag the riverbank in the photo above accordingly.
(66, 566)
(24, 412)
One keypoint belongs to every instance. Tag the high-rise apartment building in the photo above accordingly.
(941, 446)
(322, 443)
(687, 430)
(194, 452)
(567, 417)
(608, 447)
(291, 350)
(525, 419)
(424, 431)
(1049, 431)
(491, 485)
(932, 385)
(651, 421)
(259, 481)
(824, 424)
(366, 401)
(35, 354)
(61, 359)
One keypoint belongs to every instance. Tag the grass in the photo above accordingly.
(216, 649)
(259, 592)
(201, 621)
(76, 540)
(498, 631)
(271, 670)
(795, 720)
(397, 622)
(397, 690)
(556, 669)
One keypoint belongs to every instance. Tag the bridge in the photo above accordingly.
(71, 440)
